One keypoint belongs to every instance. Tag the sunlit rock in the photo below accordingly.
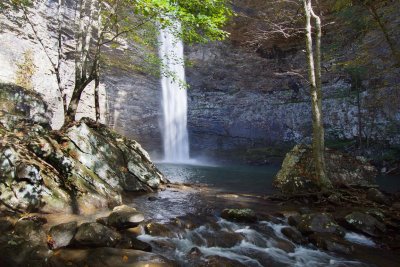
(61, 235)
(83, 168)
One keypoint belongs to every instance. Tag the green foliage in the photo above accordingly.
(26, 69)
(138, 23)
(14, 4)
(201, 20)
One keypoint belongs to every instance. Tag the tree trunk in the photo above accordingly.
(96, 98)
(359, 116)
(314, 73)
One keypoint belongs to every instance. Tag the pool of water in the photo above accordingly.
(238, 179)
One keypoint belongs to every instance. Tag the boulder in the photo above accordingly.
(82, 168)
(364, 223)
(377, 196)
(61, 235)
(284, 245)
(297, 174)
(217, 261)
(124, 219)
(239, 215)
(157, 229)
(31, 231)
(222, 239)
(96, 235)
(129, 241)
(107, 257)
(293, 234)
(319, 223)
(331, 242)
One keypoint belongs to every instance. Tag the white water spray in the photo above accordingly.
(175, 134)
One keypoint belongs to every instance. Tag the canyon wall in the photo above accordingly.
(239, 97)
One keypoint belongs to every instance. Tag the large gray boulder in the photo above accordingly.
(61, 235)
(297, 174)
(96, 235)
(85, 167)
(124, 217)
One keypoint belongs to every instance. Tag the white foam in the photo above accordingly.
(359, 239)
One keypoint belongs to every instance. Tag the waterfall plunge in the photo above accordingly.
(175, 134)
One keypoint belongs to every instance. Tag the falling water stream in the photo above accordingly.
(174, 97)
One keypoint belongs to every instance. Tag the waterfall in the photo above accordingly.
(174, 97)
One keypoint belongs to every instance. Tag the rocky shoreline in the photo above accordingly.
(125, 237)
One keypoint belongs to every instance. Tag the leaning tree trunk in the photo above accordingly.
(84, 70)
(314, 73)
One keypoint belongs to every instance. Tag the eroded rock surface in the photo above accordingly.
(85, 167)
(297, 174)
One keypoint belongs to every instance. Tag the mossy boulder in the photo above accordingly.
(297, 174)
(239, 215)
(85, 167)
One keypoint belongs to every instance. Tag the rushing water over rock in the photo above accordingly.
(175, 134)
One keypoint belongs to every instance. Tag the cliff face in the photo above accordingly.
(246, 97)
(129, 101)
(239, 96)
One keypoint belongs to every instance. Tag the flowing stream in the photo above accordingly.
(174, 97)
(197, 233)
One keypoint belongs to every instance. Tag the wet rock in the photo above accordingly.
(377, 196)
(330, 242)
(218, 261)
(284, 245)
(194, 252)
(96, 235)
(163, 244)
(107, 257)
(124, 217)
(297, 174)
(262, 258)
(129, 241)
(157, 229)
(293, 234)
(223, 239)
(61, 235)
(319, 223)
(31, 231)
(294, 220)
(239, 215)
(152, 198)
(124, 208)
(364, 223)
(138, 230)
(102, 220)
